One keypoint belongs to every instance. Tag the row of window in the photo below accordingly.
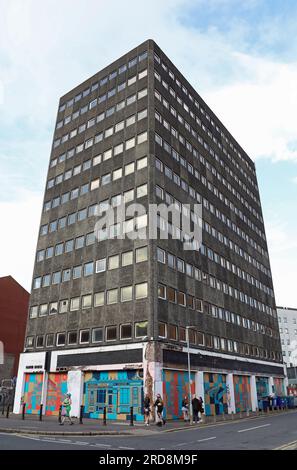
(93, 103)
(288, 342)
(94, 209)
(78, 130)
(177, 135)
(86, 336)
(86, 240)
(123, 68)
(98, 299)
(105, 179)
(286, 331)
(87, 269)
(76, 170)
(197, 338)
(186, 300)
(213, 256)
(227, 289)
(214, 211)
(286, 320)
(71, 152)
(211, 121)
(172, 152)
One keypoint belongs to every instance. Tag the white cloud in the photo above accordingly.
(18, 236)
(282, 244)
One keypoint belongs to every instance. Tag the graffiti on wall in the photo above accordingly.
(242, 393)
(56, 390)
(278, 386)
(175, 388)
(115, 390)
(215, 394)
(32, 392)
(262, 387)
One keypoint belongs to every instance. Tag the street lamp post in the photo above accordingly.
(189, 374)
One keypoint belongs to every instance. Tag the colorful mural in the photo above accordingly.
(56, 390)
(242, 393)
(32, 392)
(215, 394)
(117, 390)
(175, 387)
(262, 387)
(278, 386)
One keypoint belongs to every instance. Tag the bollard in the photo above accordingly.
(104, 416)
(3, 407)
(60, 414)
(247, 413)
(232, 414)
(240, 414)
(40, 412)
(214, 418)
(81, 414)
(7, 411)
(131, 416)
(23, 410)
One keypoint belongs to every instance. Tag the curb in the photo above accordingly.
(289, 446)
(65, 433)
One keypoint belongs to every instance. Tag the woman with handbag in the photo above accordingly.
(66, 409)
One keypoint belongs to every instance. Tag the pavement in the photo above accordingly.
(91, 427)
(272, 431)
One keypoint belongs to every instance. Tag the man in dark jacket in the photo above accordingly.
(196, 405)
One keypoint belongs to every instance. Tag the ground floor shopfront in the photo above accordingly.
(99, 379)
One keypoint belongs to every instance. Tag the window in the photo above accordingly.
(130, 143)
(63, 306)
(79, 242)
(141, 254)
(161, 291)
(87, 301)
(72, 337)
(141, 191)
(142, 138)
(129, 168)
(29, 341)
(140, 329)
(142, 114)
(162, 330)
(126, 331)
(118, 149)
(161, 257)
(181, 299)
(171, 260)
(180, 265)
(69, 246)
(61, 338)
(59, 249)
(90, 238)
(56, 278)
(112, 296)
(130, 120)
(105, 179)
(77, 270)
(97, 335)
(126, 294)
(117, 174)
(142, 93)
(49, 252)
(50, 339)
(113, 262)
(127, 258)
(84, 336)
(171, 294)
(111, 333)
(74, 303)
(141, 290)
(46, 280)
(88, 269)
(142, 163)
(172, 332)
(34, 311)
(95, 184)
(53, 308)
(99, 299)
(40, 255)
(66, 275)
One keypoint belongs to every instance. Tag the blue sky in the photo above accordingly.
(240, 56)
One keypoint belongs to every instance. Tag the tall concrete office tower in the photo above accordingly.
(113, 317)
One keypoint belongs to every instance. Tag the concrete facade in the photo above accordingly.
(175, 145)
(287, 318)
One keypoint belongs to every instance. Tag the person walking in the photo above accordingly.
(185, 408)
(200, 408)
(66, 409)
(147, 409)
(196, 406)
(159, 405)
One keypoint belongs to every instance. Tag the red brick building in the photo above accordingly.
(14, 301)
